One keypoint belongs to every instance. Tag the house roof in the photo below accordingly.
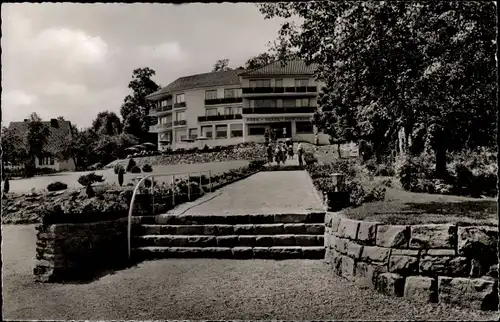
(56, 137)
(290, 67)
(229, 77)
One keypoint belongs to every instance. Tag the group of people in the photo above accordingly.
(279, 152)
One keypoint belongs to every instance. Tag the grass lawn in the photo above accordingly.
(70, 178)
(406, 208)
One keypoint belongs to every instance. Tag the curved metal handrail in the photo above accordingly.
(131, 209)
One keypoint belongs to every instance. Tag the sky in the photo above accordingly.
(76, 60)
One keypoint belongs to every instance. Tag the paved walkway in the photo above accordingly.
(264, 192)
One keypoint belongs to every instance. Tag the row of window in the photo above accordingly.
(232, 110)
(228, 93)
(299, 82)
(301, 128)
(300, 102)
(46, 160)
(179, 98)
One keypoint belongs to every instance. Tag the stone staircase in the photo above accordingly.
(266, 236)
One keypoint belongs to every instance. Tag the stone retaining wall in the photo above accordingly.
(79, 251)
(431, 263)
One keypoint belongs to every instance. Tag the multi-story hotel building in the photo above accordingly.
(230, 107)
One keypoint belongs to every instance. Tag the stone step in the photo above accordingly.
(294, 252)
(227, 241)
(233, 219)
(218, 230)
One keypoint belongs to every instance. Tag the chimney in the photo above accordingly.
(54, 123)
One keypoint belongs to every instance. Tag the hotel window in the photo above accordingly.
(180, 98)
(180, 116)
(211, 95)
(165, 120)
(193, 133)
(236, 130)
(263, 103)
(256, 130)
(210, 112)
(232, 93)
(260, 83)
(206, 131)
(304, 127)
(221, 131)
(238, 109)
(180, 135)
(46, 160)
(164, 103)
(232, 110)
(278, 83)
(289, 103)
(301, 82)
(302, 102)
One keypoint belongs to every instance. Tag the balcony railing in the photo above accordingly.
(279, 110)
(160, 109)
(181, 122)
(210, 118)
(227, 100)
(182, 104)
(279, 90)
(162, 126)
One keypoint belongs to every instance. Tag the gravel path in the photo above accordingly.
(201, 289)
(264, 192)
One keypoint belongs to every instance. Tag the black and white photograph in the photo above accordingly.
(297, 160)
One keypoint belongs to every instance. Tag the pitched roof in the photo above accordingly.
(56, 137)
(290, 67)
(229, 77)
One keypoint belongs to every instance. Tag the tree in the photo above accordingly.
(107, 123)
(221, 65)
(35, 140)
(259, 61)
(135, 109)
(13, 149)
(427, 68)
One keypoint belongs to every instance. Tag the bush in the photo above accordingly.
(89, 179)
(89, 191)
(375, 194)
(257, 164)
(130, 165)
(135, 169)
(309, 158)
(56, 186)
(117, 168)
(147, 168)
(408, 173)
(6, 185)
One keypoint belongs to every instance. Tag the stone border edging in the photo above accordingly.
(430, 263)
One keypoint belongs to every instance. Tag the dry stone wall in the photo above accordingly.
(78, 251)
(431, 263)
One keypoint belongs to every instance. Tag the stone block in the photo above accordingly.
(190, 230)
(261, 252)
(395, 236)
(348, 268)
(404, 265)
(328, 219)
(353, 249)
(329, 256)
(336, 219)
(375, 254)
(339, 244)
(439, 252)
(313, 252)
(225, 229)
(243, 229)
(367, 232)
(444, 265)
(391, 284)
(405, 252)
(478, 242)
(268, 229)
(337, 263)
(285, 240)
(294, 229)
(264, 241)
(290, 218)
(367, 273)
(421, 289)
(315, 229)
(474, 293)
(246, 240)
(242, 252)
(306, 240)
(348, 228)
(285, 252)
(227, 241)
(433, 236)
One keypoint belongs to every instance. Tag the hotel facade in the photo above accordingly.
(236, 106)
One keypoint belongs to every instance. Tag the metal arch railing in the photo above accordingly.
(173, 174)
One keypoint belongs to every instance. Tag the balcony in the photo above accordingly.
(279, 110)
(160, 127)
(180, 123)
(227, 100)
(255, 91)
(211, 118)
(179, 105)
(160, 110)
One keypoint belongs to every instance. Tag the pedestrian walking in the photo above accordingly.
(266, 136)
(277, 154)
(283, 153)
(284, 132)
(300, 153)
(269, 153)
(290, 152)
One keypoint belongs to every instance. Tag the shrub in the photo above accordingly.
(375, 194)
(130, 165)
(256, 164)
(135, 169)
(56, 186)
(120, 176)
(89, 191)
(6, 185)
(117, 168)
(147, 168)
(407, 173)
(356, 192)
(89, 179)
(309, 158)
